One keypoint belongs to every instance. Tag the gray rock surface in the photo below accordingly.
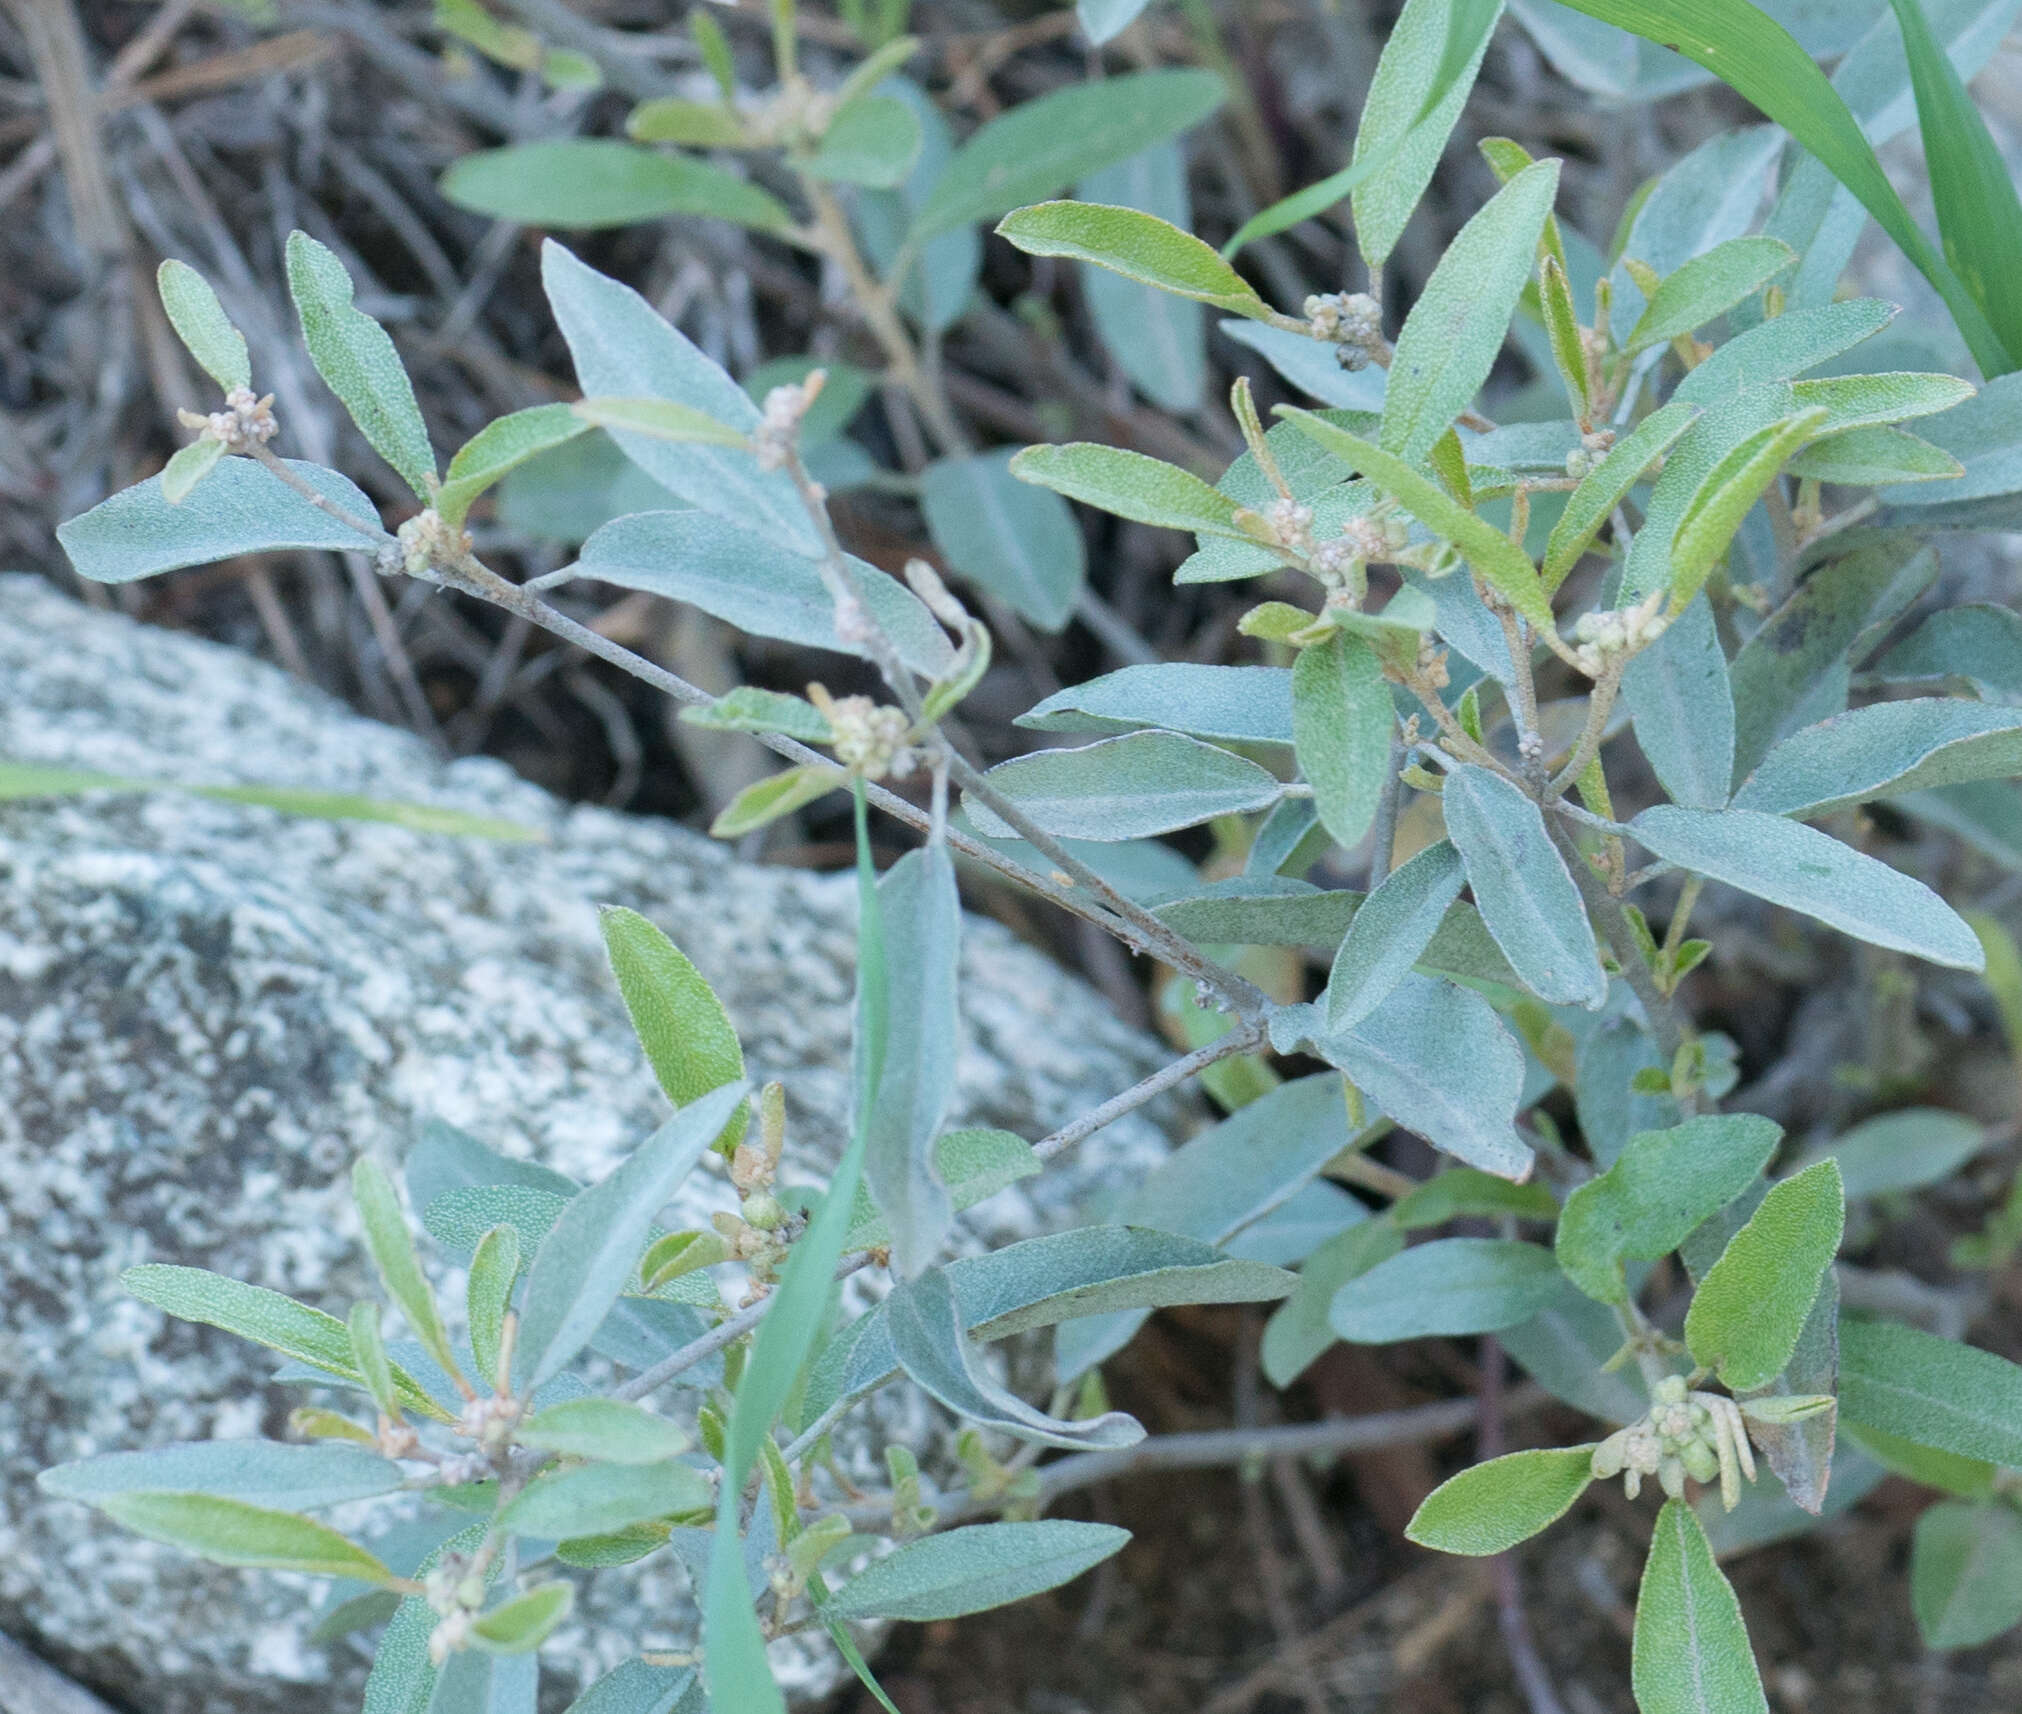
(207, 1010)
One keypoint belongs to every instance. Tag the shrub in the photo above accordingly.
(1716, 528)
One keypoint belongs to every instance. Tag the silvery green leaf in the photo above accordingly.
(1706, 286)
(1783, 348)
(1903, 1150)
(1311, 366)
(596, 1499)
(1041, 1282)
(1126, 788)
(1871, 401)
(1988, 816)
(1605, 486)
(585, 183)
(688, 1037)
(488, 1297)
(1158, 340)
(354, 354)
(754, 583)
(1104, 20)
(1287, 842)
(1316, 1211)
(1566, 1345)
(1930, 1391)
(1242, 705)
(1610, 1108)
(1492, 1506)
(634, 1687)
(1659, 1190)
(942, 278)
(1464, 1193)
(590, 1254)
(927, 1337)
(1448, 1286)
(1870, 457)
(1395, 117)
(1597, 57)
(1702, 200)
(1299, 1330)
(1691, 1654)
(1966, 1573)
(973, 1164)
(1985, 435)
(460, 1217)
(973, 1569)
(1436, 1059)
(1678, 692)
(447, 1159)
(1130, 485)
(240, 508)
(189, 466)
(874, 140)
(1978, 642)
(1881, 750)
(392, 1245)
(259, 1472)
(623, 348)
(608, 1431)
(1798, 654)
(1805, 870)
(1034, 150)
(1799, 1443)
(1752, 1304)
(519, 1624)
(1019, 542)
(1527, 897)
(1456, 329)
(477, 1683)
(202, 325)
(1392, 929)
(501, 446)
(1342, 721)
(1465, 622)
(922, 916)
(232, 1532)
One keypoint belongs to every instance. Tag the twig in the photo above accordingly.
(1241, 1039)
(724, 1333)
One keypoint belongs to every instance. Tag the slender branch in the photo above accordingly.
(724, 1333)
(1241, 1039)
(373, 532)
(1600, 704)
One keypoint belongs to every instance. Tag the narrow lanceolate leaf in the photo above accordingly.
(1966, 1573)
(1130, 485)
(1979, 213)
(1018, 541)
(1683, 703)
(1493, 1506)
(1159, 340)
(1298, 1331)
(687, 1036)
(657, 419)
(1131, 787)
(1342, 719)
(1707, 286)
(590, 1254)
(256, 1472)
(265, 1317)
(973, 1569)
(1691, 1653)
(610, 1431)
(1761, 61)
(1394, 926)
(922, 915)
(1498, 561)
(498, 447)
(1455, 331)
(523, 1623)
(1872, 457)
(747, 708)
(1428, 66)
(872, 141)
(1662, 1186)
(355, 356)
(1450, 1286)
(1245, 705)
(494, 1270)
(1562, 329)
(202, 325)
(1604, 487)
(1903, 1150)
(583, 183)
(1884, 749)
(1932, 1392)
(1462, 1193)
(240, 508)
(1797, 866)
(927, 1337)
(598, 1499)
(1139, 246)
(1748, 1312)
(231, 1532)
(1520, 881)
(391, 1242)
(1872, 401)
(1039, 147)
(189, 466)
(765, 801)
(1724, 499)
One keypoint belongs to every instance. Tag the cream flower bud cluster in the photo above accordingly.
(1685, 1434)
